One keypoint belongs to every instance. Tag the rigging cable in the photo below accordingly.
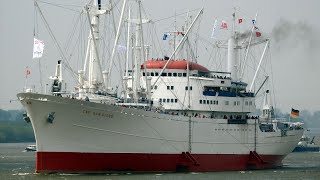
(66, 62)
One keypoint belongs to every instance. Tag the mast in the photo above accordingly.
(95, 80)
(108, 81)
(128, 43)
(248, 48)
(233, 51)
(137, 60)
(138, 53)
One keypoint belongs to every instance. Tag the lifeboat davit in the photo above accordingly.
(174, 64)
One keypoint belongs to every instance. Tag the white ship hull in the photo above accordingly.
(93, 137)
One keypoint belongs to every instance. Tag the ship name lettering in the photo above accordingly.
(100, 114)
(106, 115)
(86, 111)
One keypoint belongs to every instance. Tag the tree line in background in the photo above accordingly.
(14, 129)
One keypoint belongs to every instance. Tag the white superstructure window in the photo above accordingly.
(186, 88)
(170, 87)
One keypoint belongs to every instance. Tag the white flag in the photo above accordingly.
(38, 47)
(121, 48)
(214, 28)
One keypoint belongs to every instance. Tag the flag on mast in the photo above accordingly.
(38, 47)
(258, 34)
(224, 25)
(294, 113)
(28, 72)
(214, 28)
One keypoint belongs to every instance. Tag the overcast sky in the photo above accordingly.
(294, 25)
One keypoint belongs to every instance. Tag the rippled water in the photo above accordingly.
(16, 164)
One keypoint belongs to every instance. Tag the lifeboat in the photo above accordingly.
(177, 64)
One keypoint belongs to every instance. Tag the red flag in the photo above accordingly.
(224, 25)
(258, 34)
(240, 20)
(28, 72)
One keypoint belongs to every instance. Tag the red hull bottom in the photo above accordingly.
(131, 162)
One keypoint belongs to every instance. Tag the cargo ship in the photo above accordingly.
(173, 115)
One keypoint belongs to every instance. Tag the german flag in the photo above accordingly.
(294, 113)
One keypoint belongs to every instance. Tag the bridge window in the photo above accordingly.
(172, 100)
(157, 74)
(164, 74)
(200, 101)
(234, 103)
(246, 103)
(168, 100)
(175, 100)
(207, 101)
(170, 74)
(184, 74)
(210, 101)
(152, 73)
(180, 74)
(227, 103)
(174, 74)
